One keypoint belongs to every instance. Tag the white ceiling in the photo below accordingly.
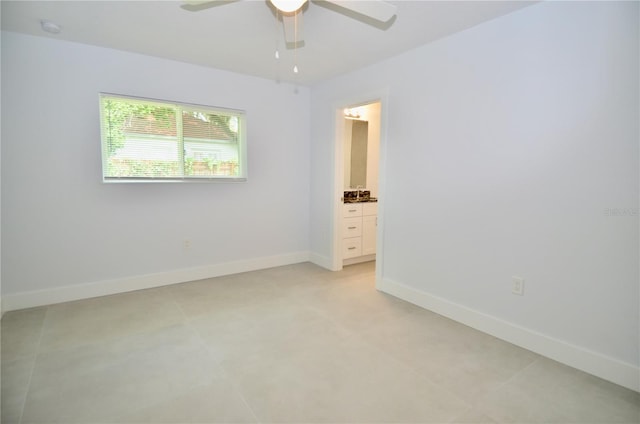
(242, 36)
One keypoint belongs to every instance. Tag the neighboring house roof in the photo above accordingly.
(192, 127)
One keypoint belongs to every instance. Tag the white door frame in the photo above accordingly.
(381, 96)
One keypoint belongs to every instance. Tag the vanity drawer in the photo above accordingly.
(352, 209)
(351, 247)
(352, 227)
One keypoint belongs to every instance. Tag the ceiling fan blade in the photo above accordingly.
(292, 24)
(197, 5)
(374, 9)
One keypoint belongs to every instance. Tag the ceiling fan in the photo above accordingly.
(290, 11)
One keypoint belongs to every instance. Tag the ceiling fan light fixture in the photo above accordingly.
(288, 6)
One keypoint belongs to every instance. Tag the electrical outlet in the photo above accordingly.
(517, 285)
(186, 244)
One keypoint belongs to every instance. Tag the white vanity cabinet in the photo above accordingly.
(359, 224)
(352, 230)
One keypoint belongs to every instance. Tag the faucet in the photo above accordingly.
(358, 187)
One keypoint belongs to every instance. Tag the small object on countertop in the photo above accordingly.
(350, 196)
(364, 195)
(358, 196)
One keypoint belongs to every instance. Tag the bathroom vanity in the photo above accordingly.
(359, 222)
(359, 218)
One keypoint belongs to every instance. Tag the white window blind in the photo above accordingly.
(151, 140)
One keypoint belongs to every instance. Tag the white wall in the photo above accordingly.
(505, 146)
(62, 228)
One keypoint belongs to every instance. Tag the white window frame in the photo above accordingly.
(179, 106)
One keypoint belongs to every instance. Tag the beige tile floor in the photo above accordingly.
(294, 344)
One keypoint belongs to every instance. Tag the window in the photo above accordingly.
(151, 140)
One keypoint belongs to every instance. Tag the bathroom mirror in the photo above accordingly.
(355, 153)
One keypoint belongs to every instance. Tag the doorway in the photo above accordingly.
(359, 146)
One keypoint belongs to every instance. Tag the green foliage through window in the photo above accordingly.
(147, 139)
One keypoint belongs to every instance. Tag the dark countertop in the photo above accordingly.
(361, 200)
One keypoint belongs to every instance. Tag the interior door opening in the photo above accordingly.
(357, 183)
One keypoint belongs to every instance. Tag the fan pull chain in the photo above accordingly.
(295, 45)
(277, 52)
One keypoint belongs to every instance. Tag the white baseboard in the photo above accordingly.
(326, 263)
(12, 302)
(607, 368)
(321, 261)
(359, 260)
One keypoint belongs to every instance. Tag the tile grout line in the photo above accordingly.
(355, 335)
(187, 323)
(392, 358)
(35, 361)
(503, 384)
